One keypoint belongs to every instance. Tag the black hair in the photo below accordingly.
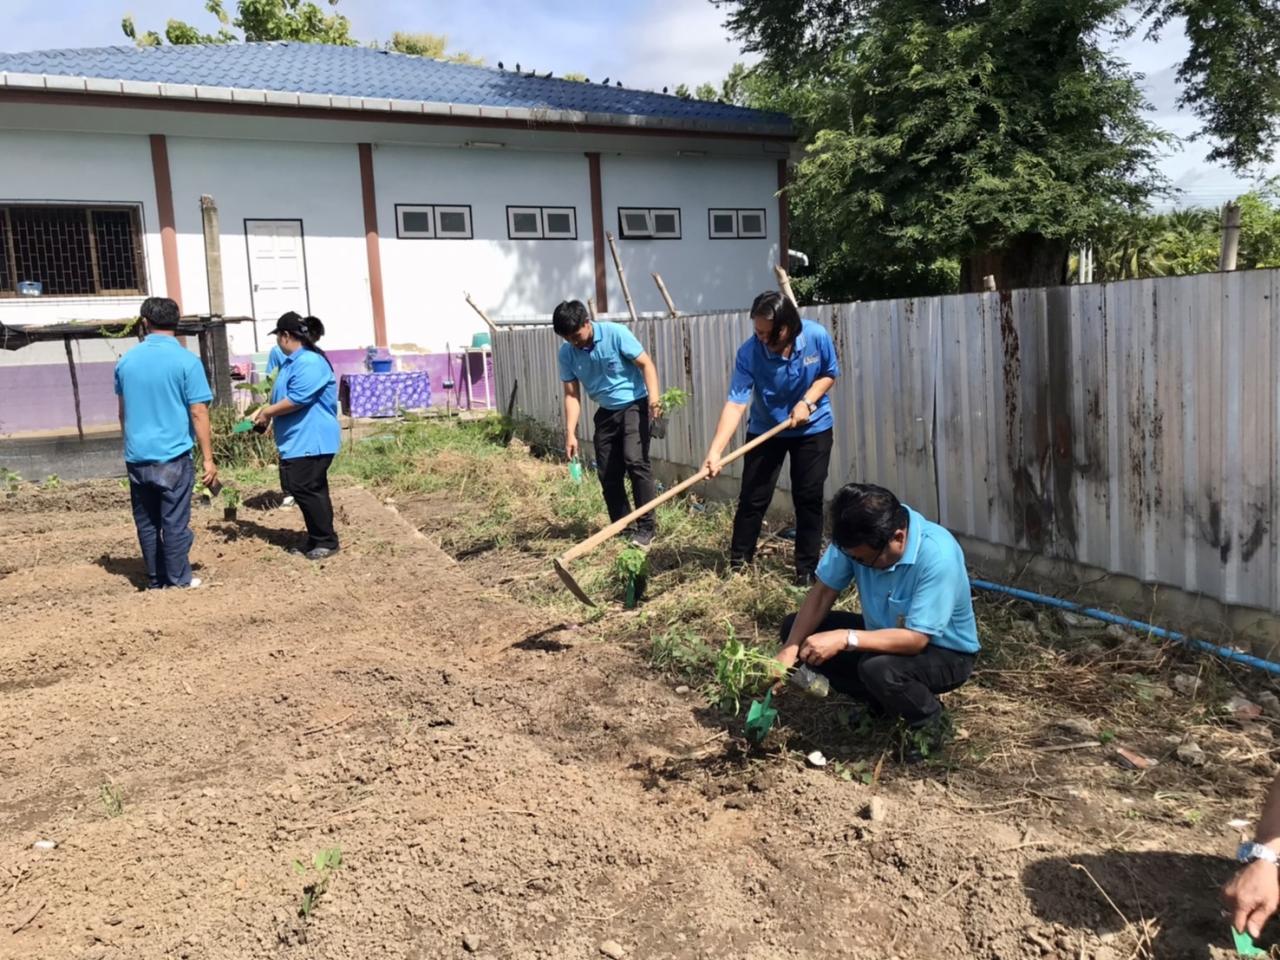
(314, 327)
(304, 337)
(569, 317)
(159, 312)
(865, 515)
(782, 314)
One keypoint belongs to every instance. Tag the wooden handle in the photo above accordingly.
(615, 528)
(784, 284)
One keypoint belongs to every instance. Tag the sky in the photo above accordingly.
(648, 44)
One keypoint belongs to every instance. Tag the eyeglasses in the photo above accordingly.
(864, 563)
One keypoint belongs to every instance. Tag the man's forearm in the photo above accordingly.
(650, 371)
(572, 411)
(897, 640)
(818, 389)
(1269, 822)
(204, 434)
(817, 604)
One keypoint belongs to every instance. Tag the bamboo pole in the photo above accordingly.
(75, 386)
(493, 328)
(662, 289)
(784, 284)
(622, 277)
(215, 345)
(1230, 236)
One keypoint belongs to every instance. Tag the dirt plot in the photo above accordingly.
(502, 782)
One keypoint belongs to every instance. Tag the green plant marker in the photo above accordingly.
(760, 717)
(1245, 946)
(575, 471)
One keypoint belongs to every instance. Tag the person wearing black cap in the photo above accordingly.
(304, 408)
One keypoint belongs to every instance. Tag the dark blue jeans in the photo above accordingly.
(161, 497)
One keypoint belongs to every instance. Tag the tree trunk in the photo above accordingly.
(1031, 260)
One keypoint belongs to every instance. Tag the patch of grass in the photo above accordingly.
(681, 653)
(112, 800)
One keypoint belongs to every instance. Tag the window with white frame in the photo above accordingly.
(652, 223)
(542, 223)
(428, 221)
(61, 250)
(733, 224)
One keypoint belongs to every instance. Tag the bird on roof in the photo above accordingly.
(500, 66)
(517, 66)
(664, 89)
(605, 81)
(548, 75)
(619, 83)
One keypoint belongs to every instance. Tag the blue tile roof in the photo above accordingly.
(368, 73)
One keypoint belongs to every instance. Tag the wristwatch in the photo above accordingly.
(1252, 851)
(851, 643)
(810, 404)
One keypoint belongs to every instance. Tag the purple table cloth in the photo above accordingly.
(384, 394)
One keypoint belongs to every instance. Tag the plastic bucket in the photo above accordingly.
(381, 365)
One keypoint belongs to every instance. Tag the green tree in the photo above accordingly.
(297, 20)
(682, 91)
(946, 141)
(431, 45)
(706, 91)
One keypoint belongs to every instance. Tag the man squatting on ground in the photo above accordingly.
(622, 379)
(916, 636)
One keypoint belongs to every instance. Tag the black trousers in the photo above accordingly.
(895, 685)
(810, 457)
(306, 479)
(622, 450)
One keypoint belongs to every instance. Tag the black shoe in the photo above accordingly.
(925, 741)
(642, 539)
(320, 553)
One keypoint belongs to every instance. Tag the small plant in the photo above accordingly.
(741, 671)
(51, 482)
(672, 399)
(230, 501)
(323, 865)
(112, 800)
(632, 571)
(681, 652)
(10, 478)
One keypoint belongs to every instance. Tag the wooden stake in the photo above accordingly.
(784, 284)
(591, 307)
(989, 283)
(622, 277)
(75, 385)
(493, 328)
(672, 312)
(1230, 236)
(219, 354)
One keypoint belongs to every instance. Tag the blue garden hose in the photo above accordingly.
(1226, 653)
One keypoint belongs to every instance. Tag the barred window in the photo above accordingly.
(71, 251)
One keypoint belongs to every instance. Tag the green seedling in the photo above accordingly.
(10, 478)
(741, 670)
(112, 800)
(672, 399)
(323, 865)
(632, 571)
(52, 482)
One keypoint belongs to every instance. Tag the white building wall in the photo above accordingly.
(700, 273)
(102, 168)
(424, 280)
(318, 184)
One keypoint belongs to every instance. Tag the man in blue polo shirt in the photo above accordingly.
(916, 636)
(784, 372)
(164, 408)
(622, 379)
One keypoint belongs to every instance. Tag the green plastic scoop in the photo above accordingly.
(760, 717)
(1245, 946)
(244, 426)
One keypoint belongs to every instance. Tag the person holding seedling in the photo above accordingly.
(1253, 893)
(916, 637)
(783, 372)
(275, 359)
(623, 381)
(163, 396)
(304, 412)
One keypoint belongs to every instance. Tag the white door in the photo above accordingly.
(277, 274)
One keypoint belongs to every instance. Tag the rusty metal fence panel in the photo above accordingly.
(1129, 426)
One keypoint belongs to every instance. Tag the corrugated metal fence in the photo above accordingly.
(1129, 426)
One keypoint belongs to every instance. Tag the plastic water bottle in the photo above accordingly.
(810, 682)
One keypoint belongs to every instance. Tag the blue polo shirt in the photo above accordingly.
(926, 591)
(775, 384)
(275, 359)
(159, 380)
(306, 379)
(607, 370)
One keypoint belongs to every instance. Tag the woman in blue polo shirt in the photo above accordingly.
(304, 407)
(783, 372)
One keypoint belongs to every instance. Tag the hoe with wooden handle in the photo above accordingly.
(612, 530)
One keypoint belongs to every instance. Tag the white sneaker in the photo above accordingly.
(195, 582)
(287, 502)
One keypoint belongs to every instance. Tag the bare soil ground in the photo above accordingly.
(503, 782)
